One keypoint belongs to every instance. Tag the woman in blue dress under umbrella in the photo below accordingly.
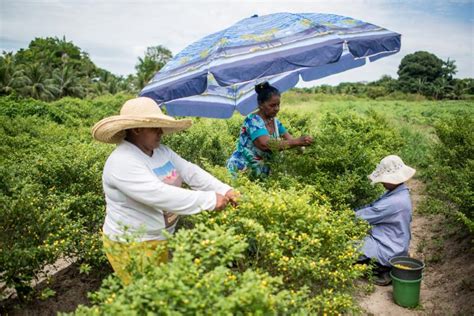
(261, 133)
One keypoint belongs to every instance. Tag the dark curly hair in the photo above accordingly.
(265, 91)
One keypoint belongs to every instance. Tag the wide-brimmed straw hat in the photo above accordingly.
(392, 170)
(135, 113)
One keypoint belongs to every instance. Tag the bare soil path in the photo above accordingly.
(70, 289)
(448, 280)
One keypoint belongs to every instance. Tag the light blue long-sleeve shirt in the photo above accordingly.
(390, 218)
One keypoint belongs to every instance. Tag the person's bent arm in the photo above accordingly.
(377, 212)
(199, 179)
(139, 184)
(265, 143)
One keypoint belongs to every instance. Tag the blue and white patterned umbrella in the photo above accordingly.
(216, 75)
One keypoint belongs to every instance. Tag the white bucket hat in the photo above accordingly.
(392, 170)
(135, 113)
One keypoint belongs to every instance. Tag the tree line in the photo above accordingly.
(421, 73)
(52, 68)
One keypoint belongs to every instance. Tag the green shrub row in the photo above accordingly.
(50, 185)
(202, 279)
(450, 176)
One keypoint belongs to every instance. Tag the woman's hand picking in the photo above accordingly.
(233, 197)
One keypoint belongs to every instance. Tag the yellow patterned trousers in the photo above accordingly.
(139, 254)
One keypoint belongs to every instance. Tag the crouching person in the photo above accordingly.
(389, 216)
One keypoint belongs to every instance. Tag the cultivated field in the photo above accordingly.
(290, 245)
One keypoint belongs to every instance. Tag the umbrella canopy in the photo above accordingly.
(216, 75)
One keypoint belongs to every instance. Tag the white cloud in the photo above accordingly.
(116, 33)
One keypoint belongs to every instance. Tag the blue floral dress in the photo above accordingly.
(247, 155)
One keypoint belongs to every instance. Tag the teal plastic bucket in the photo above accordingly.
(406, 293)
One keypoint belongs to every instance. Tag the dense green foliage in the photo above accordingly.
(423, 72)
(451, 174)
(52, 68)
(414, 120)
(347, 146)
(50, 188)
(291, 234)
(155, 58)
(201, 280)
(388, 88)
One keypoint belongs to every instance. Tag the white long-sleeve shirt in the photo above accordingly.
(144, 193)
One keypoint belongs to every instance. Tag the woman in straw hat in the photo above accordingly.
(142, 183)
(389, 217)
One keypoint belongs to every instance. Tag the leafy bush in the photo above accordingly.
(451, 174)
(201, 277)
(68, 111)
(207, 141)
(346, 149)
(295, 233)
(53, 207)
(50, 187)
(53, 68)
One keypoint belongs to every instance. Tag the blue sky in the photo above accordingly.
(116, 32)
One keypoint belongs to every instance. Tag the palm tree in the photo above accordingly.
(128, 84)
(106, 82)
(37, 84)
(110, 81)
(449, 69)
(445, 88)
(460, 88)
(66, 83)
(11, 76)
(420, 85)
(438, 91)
(155, 58)
(141, 80)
